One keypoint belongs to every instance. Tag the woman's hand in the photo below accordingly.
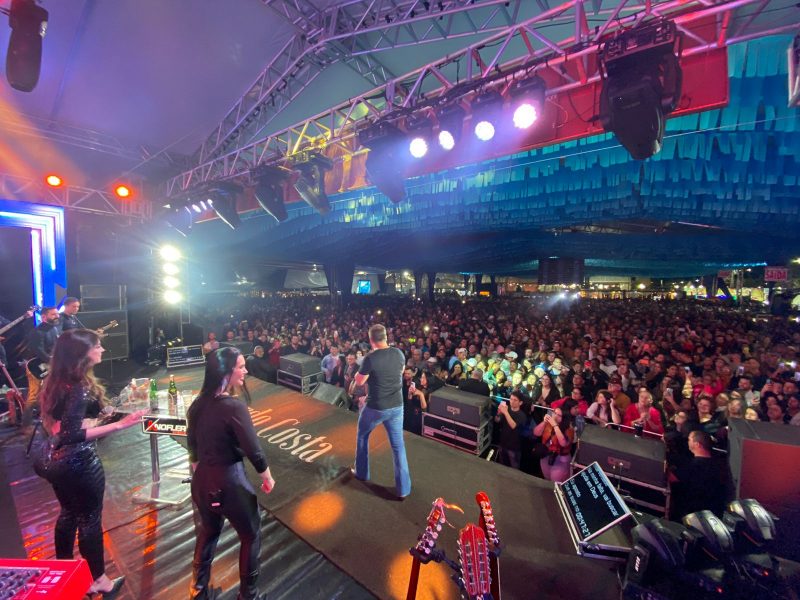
(131, 419)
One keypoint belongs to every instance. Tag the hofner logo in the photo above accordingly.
(286, 436)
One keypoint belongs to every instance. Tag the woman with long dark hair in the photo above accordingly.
(220, 433)
(71, 402)
(557, 436)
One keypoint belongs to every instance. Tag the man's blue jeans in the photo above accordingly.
(392, 419)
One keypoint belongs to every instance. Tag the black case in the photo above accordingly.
(464, 437)
(457, 405)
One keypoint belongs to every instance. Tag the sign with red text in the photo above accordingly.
(776, 274)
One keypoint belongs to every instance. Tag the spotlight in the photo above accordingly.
(171, 282)
(642, 78)
(527, 101)
(172, 296)
(385, 165)
(484, 130)
(270, 190)
(222, 197)
(170, 269)
(170, 253)
(451, 122)
(123, 191)
(311, 183)
(418, 147)
(54, 181)
(419, 128)
(28, 23)
(196, 208)
(485, 109)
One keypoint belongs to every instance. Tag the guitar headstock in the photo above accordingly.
(473, 554)
(34, 308)
(487, 516)
(426, 542)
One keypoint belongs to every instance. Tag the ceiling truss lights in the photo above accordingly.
(482, 62)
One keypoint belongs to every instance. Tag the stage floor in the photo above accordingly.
(325, 534)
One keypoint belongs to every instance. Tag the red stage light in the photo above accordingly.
(123, 191)
(54, 181)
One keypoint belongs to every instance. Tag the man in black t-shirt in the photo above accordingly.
(383, 367)
(511, 421)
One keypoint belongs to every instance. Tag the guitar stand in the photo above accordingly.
(16, 408)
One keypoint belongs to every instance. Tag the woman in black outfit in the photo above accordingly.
(72, 400)
(220, 433)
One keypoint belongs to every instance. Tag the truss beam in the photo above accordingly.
(490, 59)
(80, 199)
(351, 33)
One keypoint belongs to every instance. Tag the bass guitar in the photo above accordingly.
(22, 317)
(39, 369)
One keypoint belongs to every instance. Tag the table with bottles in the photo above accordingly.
(166, 415)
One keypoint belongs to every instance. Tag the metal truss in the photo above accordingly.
(81, 199)
(490, 59)
(351, 33)
(53, 131)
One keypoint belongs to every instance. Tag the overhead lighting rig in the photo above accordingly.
(312, 167)
(270, 189)
(641, 75)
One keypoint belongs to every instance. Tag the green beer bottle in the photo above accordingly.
(172, 394)
(153, 395)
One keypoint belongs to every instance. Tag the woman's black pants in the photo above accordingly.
(224, 493)
(79, 482)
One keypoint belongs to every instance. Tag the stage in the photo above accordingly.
(325, 534)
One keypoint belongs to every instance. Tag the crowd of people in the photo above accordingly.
(553, 366)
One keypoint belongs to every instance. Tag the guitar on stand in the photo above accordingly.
(490, 529)
(16, 402)
(473, 555)
(39, 369)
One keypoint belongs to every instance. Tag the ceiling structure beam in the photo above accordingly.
(491, 58)
(73, 197)
(352, 33)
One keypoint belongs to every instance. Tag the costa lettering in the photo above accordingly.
(290, 439)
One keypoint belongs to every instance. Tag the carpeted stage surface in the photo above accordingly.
(317, 511)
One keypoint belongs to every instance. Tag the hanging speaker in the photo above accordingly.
(24, 59)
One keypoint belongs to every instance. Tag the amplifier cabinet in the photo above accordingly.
(301, 365)
(463, 407)
(619, 453)
(459, 435)
(303, 384)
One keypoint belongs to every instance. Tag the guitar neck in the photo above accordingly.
(11, 324)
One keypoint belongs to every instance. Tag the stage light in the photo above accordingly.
(170, 253)
(486, 108)
(642, 76)
(28, 23)
(418, 147)
(170, 268)
(270, 190)
(171, 282)
(446, 140)
(451, 122)
(311, 183)
(172, 296)
(123, 191)
(419, 128)
(196, 208)
(222, 197)
(385, 164)
(527, 101)
(54, 181)
(484, 130)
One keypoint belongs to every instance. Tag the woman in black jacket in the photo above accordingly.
(72, 402)
(220, 433)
